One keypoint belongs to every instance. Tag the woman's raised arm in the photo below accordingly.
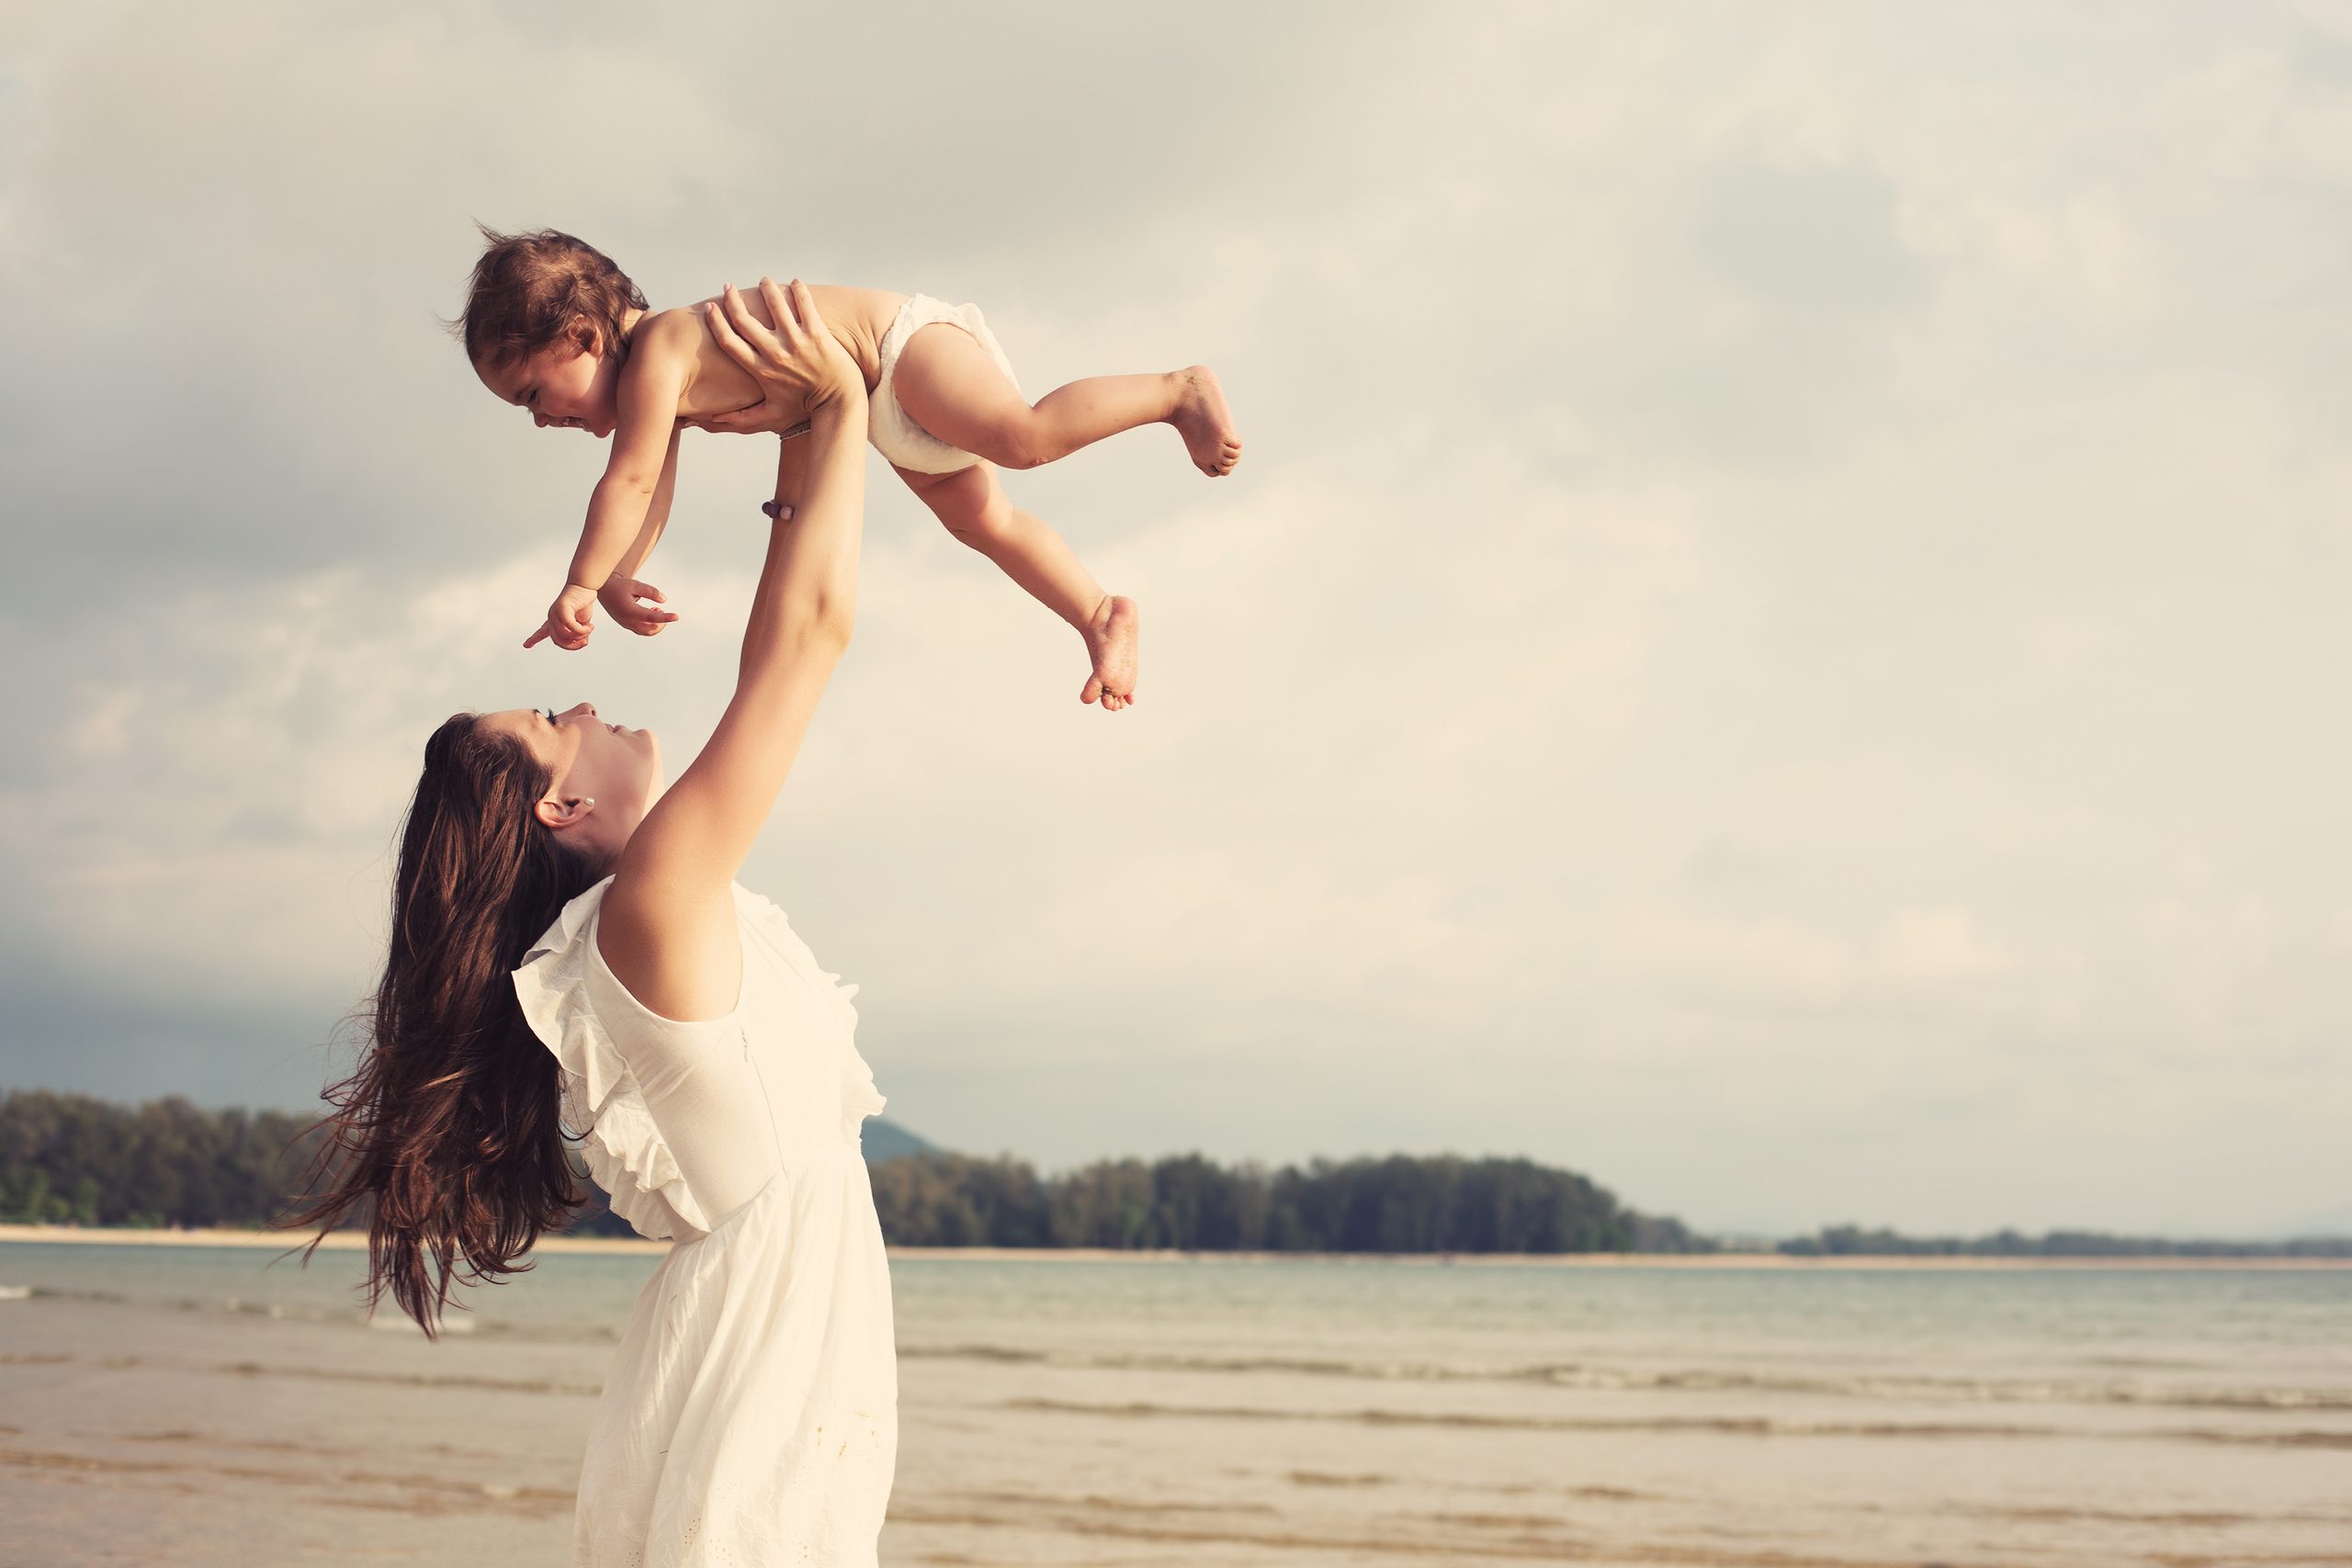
(668, 925)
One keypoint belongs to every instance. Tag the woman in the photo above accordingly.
(569, 946)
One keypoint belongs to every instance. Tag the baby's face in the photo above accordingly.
(561, 385)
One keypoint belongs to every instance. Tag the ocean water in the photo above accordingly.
(200, 1405)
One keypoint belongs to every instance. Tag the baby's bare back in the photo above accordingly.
(715, 384)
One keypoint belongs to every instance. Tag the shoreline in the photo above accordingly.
(620, 1246)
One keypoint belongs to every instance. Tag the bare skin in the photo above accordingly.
(675, 374)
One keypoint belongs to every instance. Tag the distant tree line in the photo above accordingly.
(1397, 1204)
(1853, 1241)
(71, 1159)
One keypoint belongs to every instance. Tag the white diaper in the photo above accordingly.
(894, 434)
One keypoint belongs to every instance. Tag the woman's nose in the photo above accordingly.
(541, 421)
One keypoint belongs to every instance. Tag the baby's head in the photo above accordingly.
(546, 325)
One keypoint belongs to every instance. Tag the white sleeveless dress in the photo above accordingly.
(751, 1417)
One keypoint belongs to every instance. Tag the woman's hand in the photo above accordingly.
(800, 365)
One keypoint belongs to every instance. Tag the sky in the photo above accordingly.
(1778, 639)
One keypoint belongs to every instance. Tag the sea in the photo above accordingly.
(190, 1404)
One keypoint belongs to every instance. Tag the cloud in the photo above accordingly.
(1774, 641)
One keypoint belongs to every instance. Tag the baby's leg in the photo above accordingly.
(973, 506)
(953, 387)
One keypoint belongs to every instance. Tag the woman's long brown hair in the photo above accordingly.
(448, 1137)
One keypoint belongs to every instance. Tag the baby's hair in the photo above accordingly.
(528, 290)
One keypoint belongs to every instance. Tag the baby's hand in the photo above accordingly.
(627, 600)
(568, 619)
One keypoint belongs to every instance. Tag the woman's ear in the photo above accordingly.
(567, 812)
(585, 336)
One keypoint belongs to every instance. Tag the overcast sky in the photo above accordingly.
(1779, 639)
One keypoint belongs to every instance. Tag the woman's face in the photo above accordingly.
(606, 777)
(563, 385)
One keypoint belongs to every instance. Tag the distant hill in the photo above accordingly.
(888, 1141)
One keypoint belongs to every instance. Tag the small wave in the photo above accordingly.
(16, 1293)
(1745, 1426)
(411, 1494)
(402, 1380)
(342, 1314)
(1732, 1426)
(1704, 1380)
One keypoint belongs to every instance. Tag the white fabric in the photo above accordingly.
(751, 1417)
(895, 435)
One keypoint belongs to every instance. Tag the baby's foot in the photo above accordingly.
(1204, 422)
(1111, 641)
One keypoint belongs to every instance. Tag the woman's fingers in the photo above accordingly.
(747, 325)
(784, 308)
(791, 325)
(738, 332)
(797, 361)
(802, 302)
(720, 319)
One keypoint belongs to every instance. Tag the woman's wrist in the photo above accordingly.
(827, 420)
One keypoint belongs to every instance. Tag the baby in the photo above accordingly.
(551, 325)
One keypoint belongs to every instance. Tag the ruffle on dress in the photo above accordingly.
(626, 1152)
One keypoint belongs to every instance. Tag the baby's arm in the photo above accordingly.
(647, 405)
(623, 593)
(656, 515)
